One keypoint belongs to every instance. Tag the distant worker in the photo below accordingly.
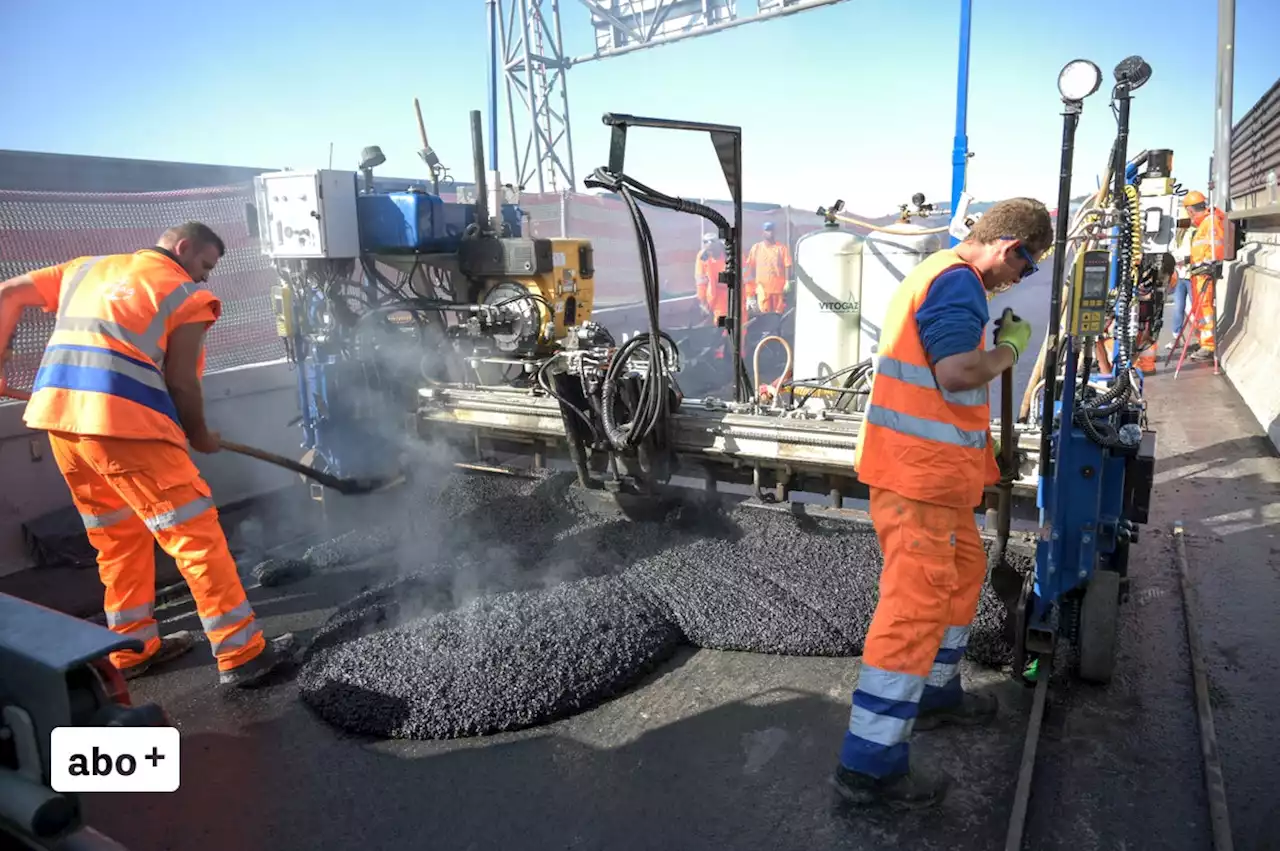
(926, 453)
(1208, 245)
(766, 273)
(118, 391)
(1182, 288)
(713, 296)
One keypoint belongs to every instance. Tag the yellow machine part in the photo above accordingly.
(282, 306)
(569, 288)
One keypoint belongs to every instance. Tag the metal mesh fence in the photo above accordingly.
(46, 228)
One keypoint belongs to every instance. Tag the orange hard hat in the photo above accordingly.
(1192, 198)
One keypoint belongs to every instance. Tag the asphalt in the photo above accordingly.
(582, 604)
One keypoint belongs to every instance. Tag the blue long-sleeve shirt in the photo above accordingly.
(954, 314)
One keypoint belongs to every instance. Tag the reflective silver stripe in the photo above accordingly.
(147, 633)
(111, 518)
(890, 685)
(925, 429)
(955, 638)
(147, 342)
(887, 685)
(179, 515)
(114, 330)
(231, 618)
(239, 638)
(69, 289)
(884, 730)
(941, 674)
(102, 360)
(124, 617)
(922, 376)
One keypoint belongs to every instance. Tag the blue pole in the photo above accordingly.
(960, 153)
(493, 84)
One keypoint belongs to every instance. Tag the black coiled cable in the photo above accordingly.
(653, 406)
(1089, 411)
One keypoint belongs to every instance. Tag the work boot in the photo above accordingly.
(1201, 354)
(914, 790)
(973, 710)
(279, 653)
(171, 647)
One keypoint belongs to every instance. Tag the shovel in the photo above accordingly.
(348, 487)
(1005, 581)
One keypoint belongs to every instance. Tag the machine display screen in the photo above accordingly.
(1093, 283)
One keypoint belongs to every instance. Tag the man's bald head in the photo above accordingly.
(196, 246)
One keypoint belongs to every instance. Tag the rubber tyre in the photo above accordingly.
(1099, 627)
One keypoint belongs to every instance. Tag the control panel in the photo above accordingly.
(1159, 215)
(1089, 293)
(308, 214)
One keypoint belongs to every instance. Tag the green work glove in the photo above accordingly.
(1013, 332)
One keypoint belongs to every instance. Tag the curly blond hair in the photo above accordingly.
(1024, 219)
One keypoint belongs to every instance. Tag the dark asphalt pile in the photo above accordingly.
(356, 545)
(274, 572)
(520, 602)
(501, 662)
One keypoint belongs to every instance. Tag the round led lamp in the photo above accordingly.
(1079, 79)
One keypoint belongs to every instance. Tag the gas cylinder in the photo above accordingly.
(828, 302)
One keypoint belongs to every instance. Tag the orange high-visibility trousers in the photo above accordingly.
(934, 568)
(770, 301)
(132, 494)
(1202, 286)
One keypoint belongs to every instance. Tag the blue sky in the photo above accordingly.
(855, 101)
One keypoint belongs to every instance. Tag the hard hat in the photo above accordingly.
(768, 226)
(1192, 198)
(709, 236)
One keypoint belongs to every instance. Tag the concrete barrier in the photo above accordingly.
(1249, 318)
(252, 405)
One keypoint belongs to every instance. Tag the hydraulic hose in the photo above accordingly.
(776, 384)
(653, 405)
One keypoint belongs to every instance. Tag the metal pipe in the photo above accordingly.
(506, 25)
(1070, 119)
(533, 97)
(477, 156)
(790, 9)
(1225, 96)
(564, 96)
(740, 389)
(492, 9)
(960, 152)
(615, 119)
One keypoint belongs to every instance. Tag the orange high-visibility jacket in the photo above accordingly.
(102, 373)
(767, 265)
(711, 292)
(918, 440)
(1209, 242)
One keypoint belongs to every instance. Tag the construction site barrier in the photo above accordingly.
(46, 228)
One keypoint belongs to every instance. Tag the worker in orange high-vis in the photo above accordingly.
(713, 295)
(1208, 244)
(925, 452)
(766, 273)
(118, 391)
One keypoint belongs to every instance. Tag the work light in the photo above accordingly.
(1078, 79)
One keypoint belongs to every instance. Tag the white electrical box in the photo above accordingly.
(308, 214)
(1159, 222)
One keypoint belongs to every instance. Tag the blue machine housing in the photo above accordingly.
(350, 412)
(1082, 509)
(416, 222)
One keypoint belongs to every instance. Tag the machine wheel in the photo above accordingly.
(1099, 624)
